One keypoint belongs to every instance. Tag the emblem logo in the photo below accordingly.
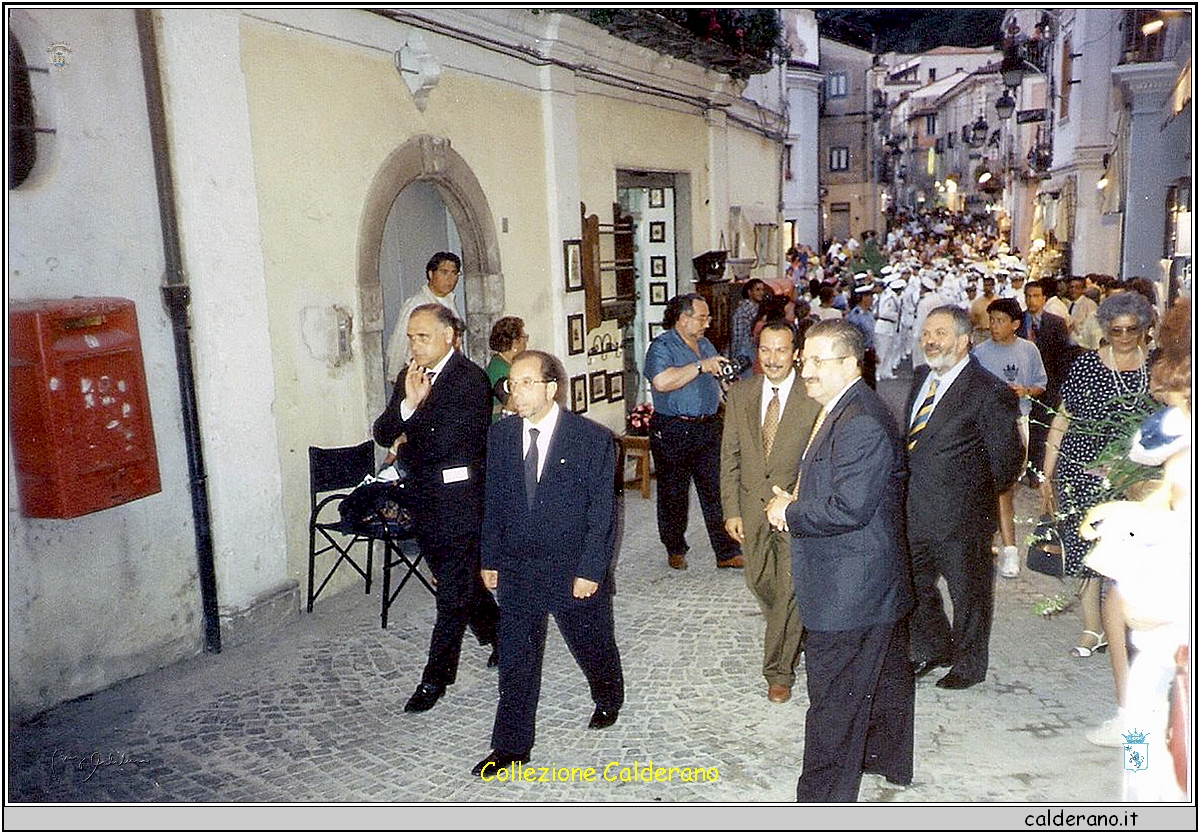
(1137, 751)
(60, 54)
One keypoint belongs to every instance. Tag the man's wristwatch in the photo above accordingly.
(699, 368)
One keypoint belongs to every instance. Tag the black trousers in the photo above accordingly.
(462, 601)
(861, 698)
(587, 629)
(684, 452)
(967, 566)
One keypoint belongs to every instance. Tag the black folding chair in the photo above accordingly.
(334, 472)
(394, 535)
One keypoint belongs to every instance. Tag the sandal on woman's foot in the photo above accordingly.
(1097, 647)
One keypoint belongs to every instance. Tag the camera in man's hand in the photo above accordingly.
(731, 369)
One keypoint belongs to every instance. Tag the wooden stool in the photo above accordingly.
(638, 448)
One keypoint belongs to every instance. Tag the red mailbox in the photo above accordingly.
(78, 407)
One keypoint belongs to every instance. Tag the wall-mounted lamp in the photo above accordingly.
(1012, 68)
(1005, 105)
(1151, 27)
(979, 132)
(1102, 183)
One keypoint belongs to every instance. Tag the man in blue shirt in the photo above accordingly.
(741, 341)
(685, 431)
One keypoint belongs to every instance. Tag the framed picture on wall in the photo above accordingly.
(658, 266)
(579, 393)
(598, 386)
(658, 292)
(616, 386)
(575, 333)
(656, 198)
(572, 255)
(656, 328)
(658, 231)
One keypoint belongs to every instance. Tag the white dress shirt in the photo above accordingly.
(945, 380)
(784, 387)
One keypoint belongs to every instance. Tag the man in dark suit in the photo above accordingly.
(1049, 332)
(760, 448)
(851, 576)
(549, 535)
(963, 451)
(442, 405)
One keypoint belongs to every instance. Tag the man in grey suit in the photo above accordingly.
(963, 451)
(767, 421)
(845, 517)
(548, 540)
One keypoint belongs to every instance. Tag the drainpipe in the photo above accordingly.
(176, 295)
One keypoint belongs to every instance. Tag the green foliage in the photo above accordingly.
(740, 42)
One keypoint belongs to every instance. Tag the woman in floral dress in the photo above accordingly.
(1105, 397)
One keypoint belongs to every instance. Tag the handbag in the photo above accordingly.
(1045, 554)
(388, 499)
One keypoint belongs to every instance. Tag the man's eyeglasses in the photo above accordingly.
(818, 361)
(512, 385)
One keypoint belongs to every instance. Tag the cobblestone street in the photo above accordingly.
(313, 713)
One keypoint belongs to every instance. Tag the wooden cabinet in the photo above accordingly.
(722, 298)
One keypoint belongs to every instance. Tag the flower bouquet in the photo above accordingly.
(638, 420)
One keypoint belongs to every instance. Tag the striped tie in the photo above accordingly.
(919, 421)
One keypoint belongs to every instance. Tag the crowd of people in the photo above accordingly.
(842, 521)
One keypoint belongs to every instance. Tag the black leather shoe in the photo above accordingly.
(957, 681)
(425, 697)
(495, 761)
(602, 718)
(493, 659)
(921, 668)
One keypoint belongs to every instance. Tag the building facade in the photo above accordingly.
(850, 193)
(1110, 90)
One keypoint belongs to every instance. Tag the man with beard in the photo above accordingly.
(963, 452)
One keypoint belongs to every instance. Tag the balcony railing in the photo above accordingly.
(1142, 45)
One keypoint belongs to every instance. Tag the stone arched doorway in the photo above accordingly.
(428, 159)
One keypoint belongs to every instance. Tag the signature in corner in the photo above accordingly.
(92, 762)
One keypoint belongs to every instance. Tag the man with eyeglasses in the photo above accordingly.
(442, 405)
(850, 570)
(441, 277)
(685, 430)
(549, 481)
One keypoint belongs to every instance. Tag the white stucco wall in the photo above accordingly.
(113, 594)
(223, 260)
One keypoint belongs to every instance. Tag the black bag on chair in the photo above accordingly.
(381, 501)
(1045, 554)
